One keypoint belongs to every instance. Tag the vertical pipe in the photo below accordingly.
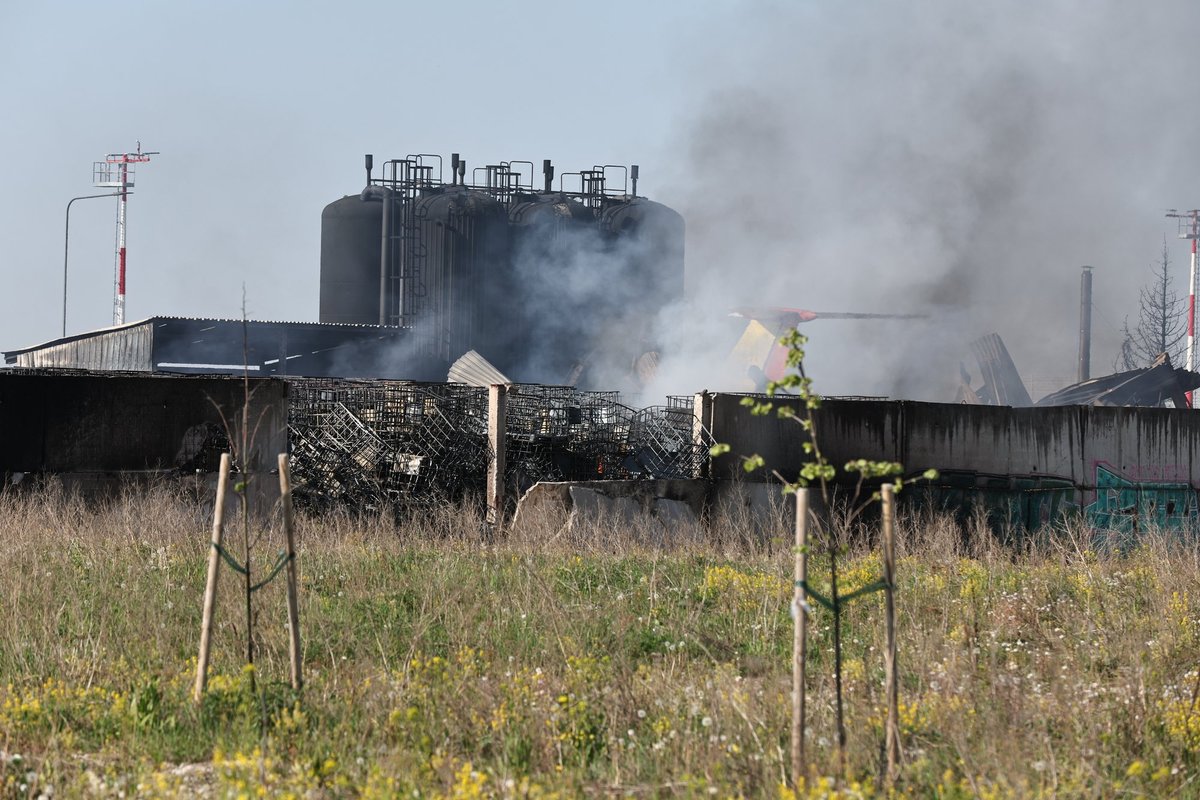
(1085, 325)
(548, 175)
(210, 590)
(368, 162)
(497, 425)
(66, 244)
(892, 729)
(385, 258)
(293, 603)
(799, 638)
(1191, 326)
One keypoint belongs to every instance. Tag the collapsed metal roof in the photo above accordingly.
(1151, 386)
(1148, 387)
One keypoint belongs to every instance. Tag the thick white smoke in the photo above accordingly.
(579, 315)
(960, 160)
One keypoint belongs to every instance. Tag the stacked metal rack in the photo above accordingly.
(670, 442)
(367, 444)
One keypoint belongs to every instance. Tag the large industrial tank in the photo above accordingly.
(550, 286)
(542, 303)
(350, 250)
(646, 241)
(463, 243)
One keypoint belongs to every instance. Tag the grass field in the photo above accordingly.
(439, 665)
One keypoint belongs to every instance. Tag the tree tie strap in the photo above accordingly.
(230, 560)
(280, 561)
(846, 598)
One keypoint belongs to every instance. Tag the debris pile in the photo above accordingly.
(1152, 386)
(367, 444)
(371, 443)
(1002, 384)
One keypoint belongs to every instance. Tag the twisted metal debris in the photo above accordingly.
(369, 444)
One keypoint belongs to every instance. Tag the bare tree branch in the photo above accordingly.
(1162, 324)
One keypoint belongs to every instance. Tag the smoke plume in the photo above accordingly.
(958, 160)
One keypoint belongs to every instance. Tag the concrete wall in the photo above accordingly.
(661, 510)
(1119, 466)
(94, 428)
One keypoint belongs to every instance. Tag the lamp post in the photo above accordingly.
(66, 244)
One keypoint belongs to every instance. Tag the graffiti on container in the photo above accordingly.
(1155, 497)
(1018, 502)
(1128, 503)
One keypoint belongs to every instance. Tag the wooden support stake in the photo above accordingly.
(293, 604)
(799, 638)
(210, 590)
(892, 730)
(702, 406)
(497, 424)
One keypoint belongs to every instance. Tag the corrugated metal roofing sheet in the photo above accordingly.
(155, 320)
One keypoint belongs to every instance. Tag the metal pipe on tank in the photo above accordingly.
(369, 160)
(454, 169)
(1085, 325)
(633, 176)
(385, 257)
(548, 175)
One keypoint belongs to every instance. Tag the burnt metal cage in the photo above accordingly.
(371, 444)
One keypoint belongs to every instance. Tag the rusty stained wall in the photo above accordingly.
(1121, 466)
(96, 425)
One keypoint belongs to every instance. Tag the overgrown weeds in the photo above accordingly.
(617, 661)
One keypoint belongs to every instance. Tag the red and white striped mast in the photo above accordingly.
(115, 172)
(1189, 228)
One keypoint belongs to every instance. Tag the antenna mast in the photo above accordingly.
(1189, 228)
(116, 172)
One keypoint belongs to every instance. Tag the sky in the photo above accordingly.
(957, 160)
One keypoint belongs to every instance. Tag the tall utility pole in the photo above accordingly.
(1189, 228)
(115, 172)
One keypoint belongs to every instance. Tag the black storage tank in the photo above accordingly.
(464, 243)
(646, 240)
(351, 231)
(551, 287)
(542, 303)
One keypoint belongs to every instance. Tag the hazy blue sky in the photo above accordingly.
(262, 112)
(961, 159)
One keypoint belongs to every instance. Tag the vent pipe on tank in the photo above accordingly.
(1085, 325)
(633, 176)
(548, 174)
(454, 169)
(369, 161)
(462, 171)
